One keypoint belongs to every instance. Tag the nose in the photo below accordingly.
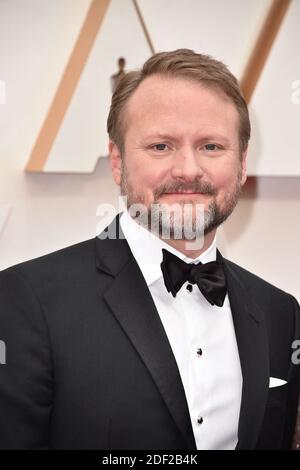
(186, 165)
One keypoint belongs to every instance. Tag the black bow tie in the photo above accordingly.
(209, 277)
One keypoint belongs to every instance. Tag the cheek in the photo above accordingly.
(225, 178)
(137, 169)
(222, 181)
(146, 174)
(144, 179)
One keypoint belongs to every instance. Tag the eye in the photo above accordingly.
(160, 147)
(211, 147)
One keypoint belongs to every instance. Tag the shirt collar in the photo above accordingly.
(147, 249)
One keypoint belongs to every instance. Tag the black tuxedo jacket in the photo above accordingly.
(89, 365)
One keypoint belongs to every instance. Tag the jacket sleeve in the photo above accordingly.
(25, 366)
(294, 387)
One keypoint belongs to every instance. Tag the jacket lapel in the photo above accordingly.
(252, 341)
(129, 299)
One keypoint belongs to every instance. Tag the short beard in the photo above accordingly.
(184, 220)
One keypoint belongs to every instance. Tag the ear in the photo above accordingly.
(115, 161)
(244, 166)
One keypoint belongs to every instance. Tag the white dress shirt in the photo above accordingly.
(202, 338)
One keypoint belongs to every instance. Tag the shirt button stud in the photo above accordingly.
(200, 420)
(189, 287)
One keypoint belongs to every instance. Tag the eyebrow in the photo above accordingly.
(207, 137)
(158, 135)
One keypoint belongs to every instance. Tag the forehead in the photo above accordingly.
(178, 101)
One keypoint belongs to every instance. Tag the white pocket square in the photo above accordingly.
(274, 382)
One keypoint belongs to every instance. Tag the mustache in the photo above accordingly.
(177, 187)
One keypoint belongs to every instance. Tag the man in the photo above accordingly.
(114, 79)
(151, 339)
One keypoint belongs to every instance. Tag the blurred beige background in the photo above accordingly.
(45, 211)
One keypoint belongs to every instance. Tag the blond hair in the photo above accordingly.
(181, 63)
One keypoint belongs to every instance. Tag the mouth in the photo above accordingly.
(185, 193)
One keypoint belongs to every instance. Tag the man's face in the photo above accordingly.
(181, 147)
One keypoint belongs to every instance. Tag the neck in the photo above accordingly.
(192, 248)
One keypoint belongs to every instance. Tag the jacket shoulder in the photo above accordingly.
(257, 284)
(67, 259)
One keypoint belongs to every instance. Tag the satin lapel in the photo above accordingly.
(252, 341)
(130, 301)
